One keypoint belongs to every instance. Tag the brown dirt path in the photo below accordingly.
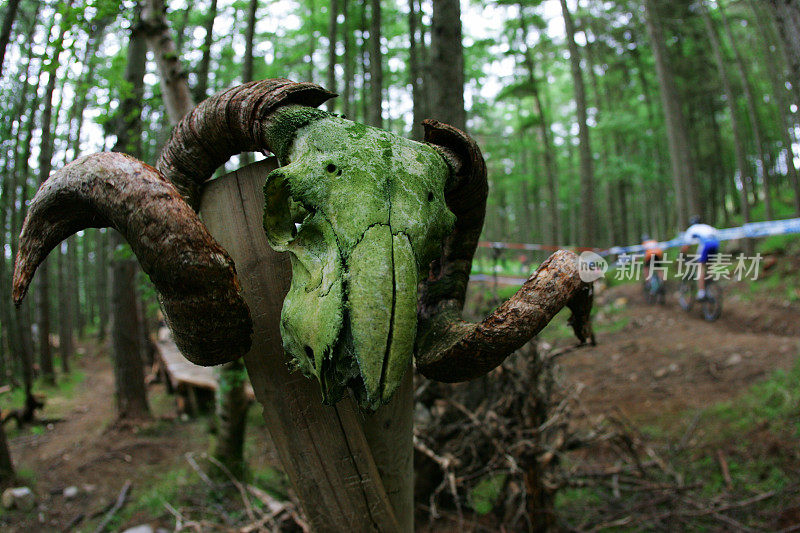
(88, 450)
(665, 360)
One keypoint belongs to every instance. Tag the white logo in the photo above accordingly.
(591, 267)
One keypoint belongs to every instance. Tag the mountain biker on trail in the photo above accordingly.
(707, 239)
(652, 256)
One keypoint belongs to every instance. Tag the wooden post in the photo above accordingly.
(326, 451)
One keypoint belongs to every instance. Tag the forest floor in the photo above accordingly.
(91, 451)
(653, 363)
(658, 359)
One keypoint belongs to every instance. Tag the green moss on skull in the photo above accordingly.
(372, 217)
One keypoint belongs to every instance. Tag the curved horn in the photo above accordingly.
(466, 198)
(194, 276)
(228, 123)
(449, 349)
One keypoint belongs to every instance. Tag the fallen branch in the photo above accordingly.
(121, 499)
(196, 467)
(74, 522)
(723, 466)
(242, 492)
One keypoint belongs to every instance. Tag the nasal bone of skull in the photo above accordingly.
(382, 295)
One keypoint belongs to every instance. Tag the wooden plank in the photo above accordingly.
(181, 371)
(323, 449)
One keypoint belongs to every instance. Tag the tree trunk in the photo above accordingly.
(102, 283)
(66, 342)
(752, 113)
(347, 38)
(126, 349)
(375, 117)
(447, 62)
(312, 40)
(414, 71)
(201, 90)
(175, 90)
(543, 125)
(786, 14)
(231, 411)
(365, 101)
(5, 31)
(7, 475)
(247, 63)
(131, 394)
(680, 158)
(588, 220)
(333, 23)
(45, 165)
(778, 94)
(738, 146)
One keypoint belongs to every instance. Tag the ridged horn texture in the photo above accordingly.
(226, 124)
(195, 277)
(451, 350)
(466, 198)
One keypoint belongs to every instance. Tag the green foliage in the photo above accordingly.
(484, 496)
(772, 403)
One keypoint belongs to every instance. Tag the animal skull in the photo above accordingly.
(363, 214)
(381, 232)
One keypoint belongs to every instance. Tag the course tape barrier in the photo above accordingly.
(747, 231)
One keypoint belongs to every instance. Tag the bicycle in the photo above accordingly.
(655, 290)
(711, 305)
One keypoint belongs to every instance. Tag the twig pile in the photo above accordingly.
(527, 432)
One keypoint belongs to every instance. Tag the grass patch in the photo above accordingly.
(64, 389)
(754, 435)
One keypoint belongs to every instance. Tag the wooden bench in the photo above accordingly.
(186, 378)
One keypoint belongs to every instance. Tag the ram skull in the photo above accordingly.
(381, 232)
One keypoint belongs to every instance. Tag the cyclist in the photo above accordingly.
(707, 239)
(652, 255)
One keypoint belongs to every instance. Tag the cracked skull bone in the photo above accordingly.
(362, 213)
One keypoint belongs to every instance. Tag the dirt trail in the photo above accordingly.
(665, 360)
(86, 449)
(657, 361)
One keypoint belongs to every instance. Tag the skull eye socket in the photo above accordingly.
(331, 168)
(282, 214)
(430, 196)
(310, 354)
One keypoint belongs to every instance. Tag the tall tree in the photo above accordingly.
(45, 165)
(786, 14)
(232, 401)
(414, 70)
(679, 152)
(5, 31)
(447, 62)
(201, 90)
(66, 342)
(247, 61)
(752, 113)
(779, 97)
(131, 393)
(174, 88)
(6, 464)
(375, 111)
(333, 22)
(347, 62)
(543, 126)
(730, 98)
(588, 221)
(231, 410)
